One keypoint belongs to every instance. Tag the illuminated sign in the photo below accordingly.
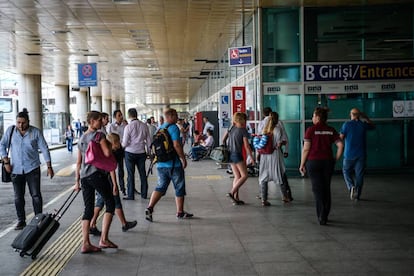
(241, 56)
(359, 72)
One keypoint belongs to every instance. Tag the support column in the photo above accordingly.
(96, 103)
(62, 98)
(30, 97)
(122, 107)
(106, 97)
(115, 106)
(82, 104)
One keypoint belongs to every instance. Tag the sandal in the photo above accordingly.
(231, 196)
(90, 249)
(107, 244)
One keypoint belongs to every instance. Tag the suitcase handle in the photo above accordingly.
(65, 206)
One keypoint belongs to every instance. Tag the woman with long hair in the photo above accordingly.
(237, 139)
(91, 179)
(272, 165)
(318, 161)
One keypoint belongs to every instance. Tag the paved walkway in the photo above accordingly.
(374, 236)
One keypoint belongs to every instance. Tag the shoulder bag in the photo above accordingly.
(94, 155)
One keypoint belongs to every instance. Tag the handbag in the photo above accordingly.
(6, 176)
(264, 144)
(94, 155)
(220, 154)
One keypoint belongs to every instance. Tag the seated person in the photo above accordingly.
(198, 151)
(197, 138)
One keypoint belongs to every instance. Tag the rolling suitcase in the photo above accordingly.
(41, 228)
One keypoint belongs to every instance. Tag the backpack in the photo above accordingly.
(162, 146)
(264, 144)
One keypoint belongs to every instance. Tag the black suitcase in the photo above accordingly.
(41, 228)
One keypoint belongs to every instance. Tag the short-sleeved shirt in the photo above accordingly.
(86, 169)
(321, 137)
(355, 138)
(235, 140)
(175, 136)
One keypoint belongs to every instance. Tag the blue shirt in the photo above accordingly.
(355, 138)
(24, 150)
(175, 136)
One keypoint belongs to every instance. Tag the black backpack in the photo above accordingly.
(162, 146)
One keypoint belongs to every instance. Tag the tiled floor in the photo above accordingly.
(374, 236)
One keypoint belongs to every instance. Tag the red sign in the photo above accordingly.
(238, 99)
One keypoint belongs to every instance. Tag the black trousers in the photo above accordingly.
(320, 174)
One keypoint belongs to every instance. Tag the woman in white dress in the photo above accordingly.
(272, 165)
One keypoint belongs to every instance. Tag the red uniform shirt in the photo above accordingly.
(321, 137)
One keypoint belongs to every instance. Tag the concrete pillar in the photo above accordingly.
(96, 103)
(30, 97)
(106, 106)
(82, 104)
(106, 97)
(62, 98)
(115, 105)
(122, 107)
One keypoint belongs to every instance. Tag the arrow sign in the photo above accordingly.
(241, 56)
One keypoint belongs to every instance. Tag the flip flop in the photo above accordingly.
(108, 244)
(90, 249)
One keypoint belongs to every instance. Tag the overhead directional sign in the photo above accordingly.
(87, 74)
(240, 56)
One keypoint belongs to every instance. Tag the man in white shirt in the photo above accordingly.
(207, 125)
(118, 127)
(136, 142)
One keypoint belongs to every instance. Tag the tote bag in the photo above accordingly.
(95, 156)
(6, 176)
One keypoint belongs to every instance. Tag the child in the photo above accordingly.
(126, 225)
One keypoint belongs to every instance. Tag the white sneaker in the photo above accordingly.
(352, 193)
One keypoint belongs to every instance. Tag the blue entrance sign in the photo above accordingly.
(225, 99)
(240, 56)
(87, 74)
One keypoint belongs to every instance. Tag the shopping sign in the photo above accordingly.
(238, 99)
(240, 56)
(87, 74)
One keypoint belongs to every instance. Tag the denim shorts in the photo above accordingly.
(235, 157)
(100, 202)
(176, 175)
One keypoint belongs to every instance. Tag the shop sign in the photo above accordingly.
(359, 72)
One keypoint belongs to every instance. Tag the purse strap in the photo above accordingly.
(10, 137)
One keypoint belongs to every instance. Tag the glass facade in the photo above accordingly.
(339, 35)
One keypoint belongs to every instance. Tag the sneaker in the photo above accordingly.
(148, 213)
(94, 231)
(129, 225)
(184, 215)
(352, 193)
(20, 225)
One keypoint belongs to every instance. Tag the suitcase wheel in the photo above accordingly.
(34, 257)
(22, 254)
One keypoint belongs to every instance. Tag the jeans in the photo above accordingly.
(19, 184)
(197, 152)
(99, 182)
(119, 155)
(69, 144)
(132, 160)
(356, 166)
(320, 174)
